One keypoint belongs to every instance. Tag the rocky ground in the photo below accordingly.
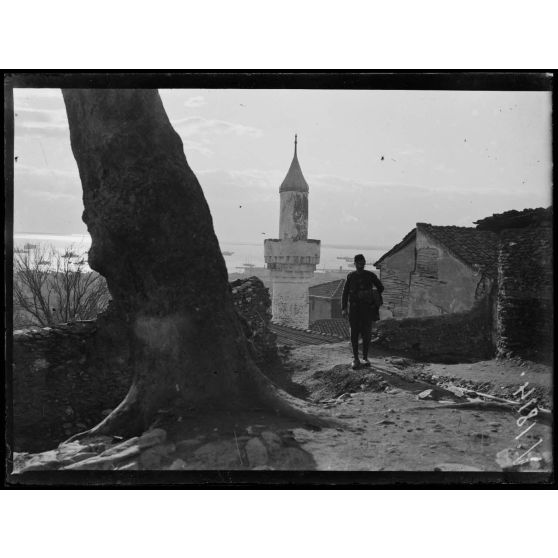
(396, 415)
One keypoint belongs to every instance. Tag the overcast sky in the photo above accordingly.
(377, 162)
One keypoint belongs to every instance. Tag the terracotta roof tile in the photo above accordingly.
(337, 327)
(472, 246)
(331, 289)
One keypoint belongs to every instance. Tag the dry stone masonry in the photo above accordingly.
(524, 304)
(67, 377)
(457, 337)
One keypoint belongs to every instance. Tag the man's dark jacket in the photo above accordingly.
(359, 293)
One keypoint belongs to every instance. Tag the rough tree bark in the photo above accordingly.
(153, 240)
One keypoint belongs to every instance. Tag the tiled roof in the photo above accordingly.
(296, 337)
(472, 246)
(331, 289)
(408, 238)
(337, 327)
(515, 219)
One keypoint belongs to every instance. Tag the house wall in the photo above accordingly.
(440, 283)
(322, 308)
(524, 307)
(395, 273)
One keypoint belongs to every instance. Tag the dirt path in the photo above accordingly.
(388, 428)
(397, 415)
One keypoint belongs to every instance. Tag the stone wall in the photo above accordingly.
(458, 337)
(524, 320)
(253, 303)
(67, 377)
(322, 308)
(64, 377)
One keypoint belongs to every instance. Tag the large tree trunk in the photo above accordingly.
(153, 239)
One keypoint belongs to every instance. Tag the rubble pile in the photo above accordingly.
(252, 301)
(255, 448)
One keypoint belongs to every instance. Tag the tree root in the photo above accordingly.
(125, 421)
(129, 420)
(285, 404)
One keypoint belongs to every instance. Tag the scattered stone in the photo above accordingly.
(455, 467)
(426, 395)
(385, 422)
(152, 437)
(495, 424)
(459, 392)
(256, 452)
(152, 457)
(294, 459)
(219, 455)
(272, 440)
(186, 446)
(177, 465)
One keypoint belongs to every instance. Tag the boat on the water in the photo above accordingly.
(30, 246)
(227, 253)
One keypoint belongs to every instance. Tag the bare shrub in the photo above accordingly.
(51, 287)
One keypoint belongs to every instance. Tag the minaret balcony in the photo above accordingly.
(291, 252)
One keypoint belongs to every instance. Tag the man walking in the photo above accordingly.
(364, 307)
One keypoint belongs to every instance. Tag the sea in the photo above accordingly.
(239, 256)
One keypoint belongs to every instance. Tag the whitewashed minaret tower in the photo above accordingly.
(292, 258)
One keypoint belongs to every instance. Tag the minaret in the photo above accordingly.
(292, 258)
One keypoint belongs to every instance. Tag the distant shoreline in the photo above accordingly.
(324, 244)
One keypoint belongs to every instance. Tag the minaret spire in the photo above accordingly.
(295, 143)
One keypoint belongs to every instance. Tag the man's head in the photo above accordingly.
(360, 262)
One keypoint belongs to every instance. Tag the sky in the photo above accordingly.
(377, 162)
